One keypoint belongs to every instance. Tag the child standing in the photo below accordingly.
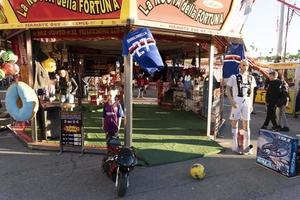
(141, 86)
(112, 115)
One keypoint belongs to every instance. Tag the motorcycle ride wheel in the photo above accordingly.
(123, 179)
(104, 165)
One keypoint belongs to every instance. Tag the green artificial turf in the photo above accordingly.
(159, 136)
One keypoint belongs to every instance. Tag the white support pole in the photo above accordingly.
(128, 69)
(280, 31)
(210, 87)
(197, 56)
(30, 80)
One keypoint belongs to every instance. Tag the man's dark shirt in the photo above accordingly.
(273, 91)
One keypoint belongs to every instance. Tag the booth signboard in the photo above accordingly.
(71, 130)
(15, 14)
(218, 17)
(277, 152)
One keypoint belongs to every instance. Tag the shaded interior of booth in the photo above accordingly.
(158, 124)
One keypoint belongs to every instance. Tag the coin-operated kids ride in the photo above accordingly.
(117, 164)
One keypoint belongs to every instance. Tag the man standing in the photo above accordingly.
(283, 102)
(239, 91)
(272, 96)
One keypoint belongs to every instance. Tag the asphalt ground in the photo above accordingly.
(27, 174)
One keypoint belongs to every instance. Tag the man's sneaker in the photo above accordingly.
(250, 152)
(264, 127)
(276, 129)
(285, 129)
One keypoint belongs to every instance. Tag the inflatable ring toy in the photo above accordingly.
(21, 101)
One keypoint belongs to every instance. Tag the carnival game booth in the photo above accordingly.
(291, 73)
(87, 36)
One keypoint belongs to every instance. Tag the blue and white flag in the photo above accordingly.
(142, 46)
(235, 53)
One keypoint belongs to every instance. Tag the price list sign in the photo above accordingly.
(71, 130)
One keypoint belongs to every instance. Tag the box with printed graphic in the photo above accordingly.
(277, 152)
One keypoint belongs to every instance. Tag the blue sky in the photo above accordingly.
(260, 27)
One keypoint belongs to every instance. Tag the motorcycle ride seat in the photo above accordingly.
(113, 141)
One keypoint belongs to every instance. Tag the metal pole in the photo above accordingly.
(280, 33)
(30, 80)
(197, 56)
(210, 87)
(286, 33)
(128, 69)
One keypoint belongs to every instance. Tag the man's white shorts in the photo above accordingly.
(242, 111)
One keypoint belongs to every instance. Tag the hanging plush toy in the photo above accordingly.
(9, 66)
(9, 56)
(49, 65)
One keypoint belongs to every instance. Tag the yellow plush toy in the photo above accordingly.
(49, 64)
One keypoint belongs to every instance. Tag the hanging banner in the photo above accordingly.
(142, 46)
(58, 13)
(234, 54)
(238, 15)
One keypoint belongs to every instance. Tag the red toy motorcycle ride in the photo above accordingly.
(117, 164)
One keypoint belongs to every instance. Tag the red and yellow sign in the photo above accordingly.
(217, 17)
(207, 14)
(64, 10)
(214, 17)
(60, 13)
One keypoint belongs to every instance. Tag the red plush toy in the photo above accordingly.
(10, 68)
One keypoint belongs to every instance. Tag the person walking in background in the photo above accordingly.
(146, 84)
(256, 77)
(272, 96)
(187, 82)
(282, 103)
(297, 104)
(239, 91)
(141, 83)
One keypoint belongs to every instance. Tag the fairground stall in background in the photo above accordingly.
(85, 39)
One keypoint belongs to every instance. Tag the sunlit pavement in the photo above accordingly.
(257, 120)
(39, 175)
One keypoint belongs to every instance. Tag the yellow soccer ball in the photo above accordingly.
(197, 171)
